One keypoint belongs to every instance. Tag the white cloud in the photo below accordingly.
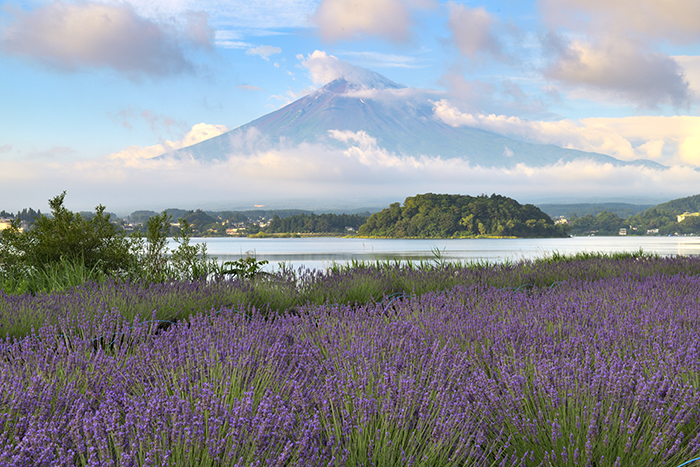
(472, 31)
(264, 51)
(224, 44)
(249, 87)
(622, 69)
(364, 149)
(668, 140)
(691, 70)
(690, 148)
(94, 35)
(197, 28)
(230, 40)
(677, 21)
(321, 175)
(324, 68)
(348, 19)
(383, 60)
(199, 132)
(653, 149)
(260, 16)
(615, 52)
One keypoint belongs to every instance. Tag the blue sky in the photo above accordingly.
(93, 90)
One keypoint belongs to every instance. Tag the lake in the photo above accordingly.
(321, 252)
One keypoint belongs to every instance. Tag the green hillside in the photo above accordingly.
(445, 216)
(623, 210)
(679, 206)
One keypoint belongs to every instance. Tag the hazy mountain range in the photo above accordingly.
(397, 119)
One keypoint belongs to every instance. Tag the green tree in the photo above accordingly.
(90, 249)
(436, 215)
(97, 242)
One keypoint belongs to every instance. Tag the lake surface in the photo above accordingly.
(319, 253)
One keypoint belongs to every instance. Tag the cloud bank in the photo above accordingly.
(608, 48)
(623, 69)
(70, 37)
(199, 132)
(667, 140)
(313, 175)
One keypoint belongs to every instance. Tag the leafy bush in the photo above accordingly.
(68, 249)
(96, 245)
(244, 268)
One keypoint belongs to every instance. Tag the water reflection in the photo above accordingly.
(323, 252)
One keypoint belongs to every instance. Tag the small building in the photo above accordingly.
(5, 223)
(687, 214)
(623, 231)
(652, 231)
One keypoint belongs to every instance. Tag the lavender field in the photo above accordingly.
(588, 361)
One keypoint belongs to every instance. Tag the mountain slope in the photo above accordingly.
(680, 206)
(400, 120)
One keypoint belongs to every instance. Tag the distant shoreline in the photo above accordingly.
(338, 235)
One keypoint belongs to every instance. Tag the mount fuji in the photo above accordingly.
(401, 120)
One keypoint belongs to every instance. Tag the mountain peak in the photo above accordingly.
(360, 79)
(400, 123)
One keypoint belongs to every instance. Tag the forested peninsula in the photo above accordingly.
(460, 216)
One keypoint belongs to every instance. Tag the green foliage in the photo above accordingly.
(443, 216)
(623, 210)
(97, 242)
(679, 206)
(153, 255)
(28, 259)
(28, 215)
(141, 217)
(69, 249)
(313, 223)
(244, 268)
(689, 225)
(198, 220)
(190, 261)
(605, 223)
(664, 217)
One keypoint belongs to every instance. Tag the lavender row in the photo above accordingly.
(287, 290)
(591, 372)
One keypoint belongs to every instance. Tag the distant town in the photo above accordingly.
(676, 217)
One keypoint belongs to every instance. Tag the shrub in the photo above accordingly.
(96, 245)
(67, 249)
